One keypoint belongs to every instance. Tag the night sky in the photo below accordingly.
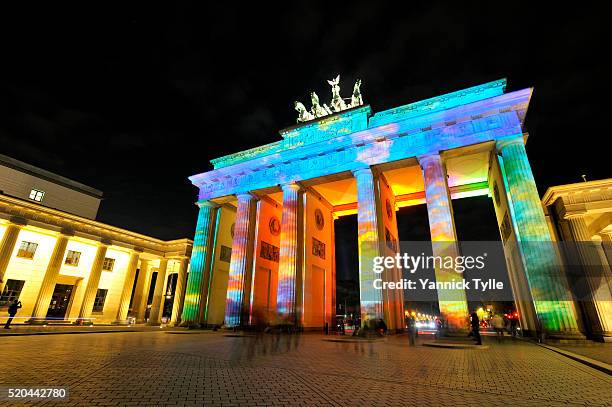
(133, 98)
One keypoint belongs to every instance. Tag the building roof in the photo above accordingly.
(49, 176)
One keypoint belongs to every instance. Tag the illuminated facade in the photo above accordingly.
(580, 216)
(264, 243)
(68, 268)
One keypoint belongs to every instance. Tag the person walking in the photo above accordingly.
(498, 325)
(513, 325)
(12, 310)
(475, 322)
(411, 330)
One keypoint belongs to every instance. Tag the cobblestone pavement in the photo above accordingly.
(593, 350)
(196, 368)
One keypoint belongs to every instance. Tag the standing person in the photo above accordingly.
(498, 325)
(513, 324)
(475, 322)
(12, 310)
(411, 330)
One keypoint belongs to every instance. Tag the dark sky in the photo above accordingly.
(133, 98)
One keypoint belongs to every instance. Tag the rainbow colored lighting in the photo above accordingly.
(239, 266)
(199, 255)
(453, 303)
(288, 260)
(539, 256)
(370, 298)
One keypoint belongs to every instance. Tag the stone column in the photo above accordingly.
(128, 284)
(606, 245)
(141, 293)
(241, 264)
(553, 300)
(92, 283)
(179, 292)
(7, 245)
(158, 294)
(199, 271)
(288, 295)
(452, 302)
(48, 284)
(370, 298)
(596, 275)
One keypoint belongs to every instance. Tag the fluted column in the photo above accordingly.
(126, 293)
(92, 284)
(452, 302)
(288, 295)
(240, 272)
(179, 292)
(48, 284)
(553, 300)
(596, 274)
(199, 271)
(141, 292)
(158, 294)
(7, 245)
(606, 245)
(370, 298)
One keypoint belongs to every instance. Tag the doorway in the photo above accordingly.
(60, 301)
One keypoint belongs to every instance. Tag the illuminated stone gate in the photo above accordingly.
(264, 242)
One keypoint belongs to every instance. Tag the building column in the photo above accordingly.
(288, 294)
(606, 245)
(179, 292)
(370, 298)
(128, 284)
(158, 295)
(596, 275)
(7, 245)
(241, 264)
(552, 298)
(92, 284)
(452, 302)
(141, 293)
(48, 284)
(196, 291)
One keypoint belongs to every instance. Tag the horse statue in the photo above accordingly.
(317, 110)
(356, 99)
(303, 114)
(337, 103)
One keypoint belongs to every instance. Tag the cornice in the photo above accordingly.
(84, 227)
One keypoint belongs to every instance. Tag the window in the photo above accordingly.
(506, 229)
(226, 254)
(72, 258)
(37, 195)
(27, 250)
(11, 291)
(318, 248)
(269, 252)
(100, 299)
(108, 264)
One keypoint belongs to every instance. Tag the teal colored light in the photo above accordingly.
(201, 246)
(549, 290)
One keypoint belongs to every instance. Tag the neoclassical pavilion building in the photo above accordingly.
(66, 267)
(264, 241)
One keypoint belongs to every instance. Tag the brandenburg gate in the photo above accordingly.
(264, 241)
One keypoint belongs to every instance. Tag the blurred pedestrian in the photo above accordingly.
(412, 330)
(12, 311)
(498, 325)
(475, 322)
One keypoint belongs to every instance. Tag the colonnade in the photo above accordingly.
(141, 291)
(547, 286)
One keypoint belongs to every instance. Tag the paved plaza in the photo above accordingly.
(200, 367)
